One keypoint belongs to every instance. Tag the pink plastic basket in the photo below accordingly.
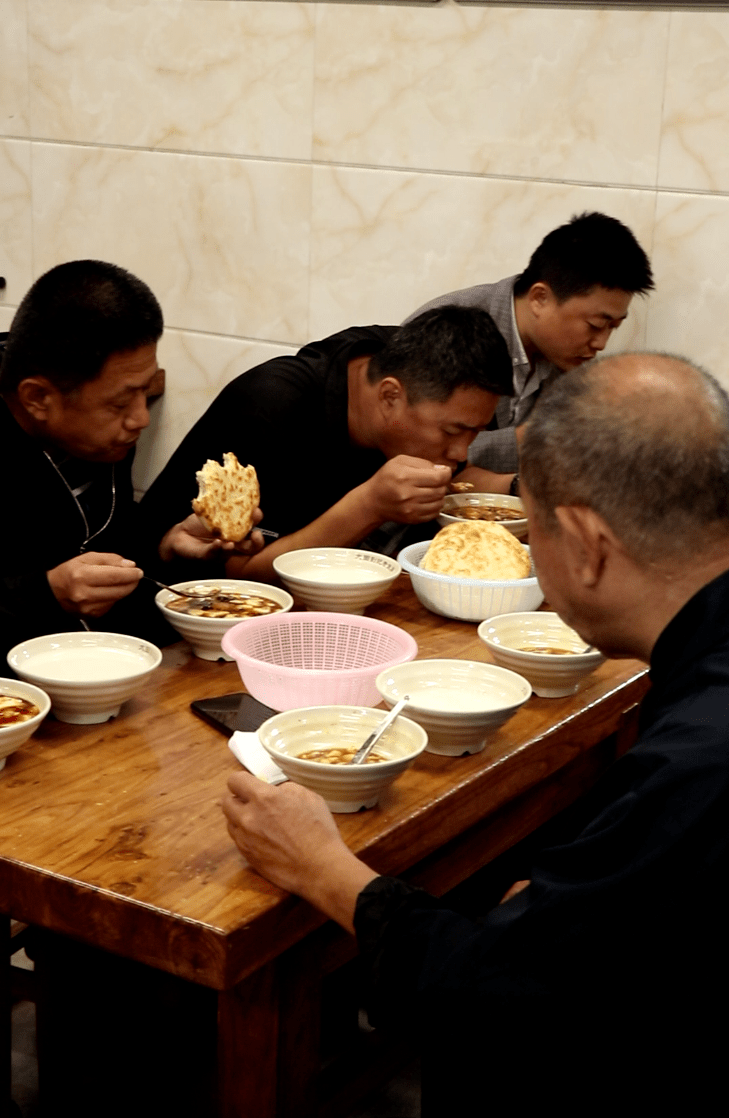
(290, 660)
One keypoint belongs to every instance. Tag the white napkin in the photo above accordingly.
(251, 754)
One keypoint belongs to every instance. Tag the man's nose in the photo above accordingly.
(458, 446)
(138, 415)
(601, 339)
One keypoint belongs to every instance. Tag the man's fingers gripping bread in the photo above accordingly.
(227, 498)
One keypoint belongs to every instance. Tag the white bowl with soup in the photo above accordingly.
(87, 675)
(553, 657)
(459, 703)
(22, 709)
(336, 579)
(311, 746)
(221, 604)
(497, 507)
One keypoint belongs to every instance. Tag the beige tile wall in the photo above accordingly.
(277, 171)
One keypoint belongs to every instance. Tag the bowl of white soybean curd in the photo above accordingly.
(336, 579)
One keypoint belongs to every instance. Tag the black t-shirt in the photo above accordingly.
(288, 418)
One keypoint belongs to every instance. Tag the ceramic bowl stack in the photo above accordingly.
(468, 599)
(15, 734)
(345, 788)
(309, 659)
(454, 502)
(459, 703)
(205, 633)
(87, 675)
(514, 641)
(336, 579)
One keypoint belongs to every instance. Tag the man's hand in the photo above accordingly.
(190, 539)
(288, 835)
(408, 490)
(90, 584)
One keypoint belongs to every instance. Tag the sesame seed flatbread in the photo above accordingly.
(477, 549)
(227, 498)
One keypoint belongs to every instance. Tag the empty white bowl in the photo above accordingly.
(87, 675)
(455, 501)
(344, 787)
(513, 639)
(15, 734)
(205, 633)
(337, 579)
(459, 703)
(467, 599)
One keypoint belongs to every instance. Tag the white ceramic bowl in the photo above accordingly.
(338, 579)
(550, 675)
(467, 599)
(459, 703)
(455, 501)
(344, 787)
(13, 735)
(205, 633)
(87, 675)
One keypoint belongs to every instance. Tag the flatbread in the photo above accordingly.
(477, 549)
(228, 495)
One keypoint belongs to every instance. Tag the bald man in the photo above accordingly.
(594, 985)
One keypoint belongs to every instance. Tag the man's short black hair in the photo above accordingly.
(592, 249)
(73, 319)
(444, 349)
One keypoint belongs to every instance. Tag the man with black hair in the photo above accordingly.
(78, 363)
(560, 312)
(357, 431)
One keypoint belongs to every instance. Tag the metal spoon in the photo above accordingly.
(366, 748)
(203, 592)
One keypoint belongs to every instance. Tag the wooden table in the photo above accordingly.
(112, 834)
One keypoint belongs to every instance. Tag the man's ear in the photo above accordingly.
(390, 395)
(589, 540)
(539, 296)
(36, 394)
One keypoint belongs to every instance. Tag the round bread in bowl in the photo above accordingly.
(542, 648)
(87, 675)
(14, 733)
(337, 579)
(205, 633)
(474, 506)
(345, 788)
(468, 599)
(476, 549)
(459, 703)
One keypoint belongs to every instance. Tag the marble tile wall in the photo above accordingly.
(277, 171)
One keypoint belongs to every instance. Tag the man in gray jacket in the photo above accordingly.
(559, 312)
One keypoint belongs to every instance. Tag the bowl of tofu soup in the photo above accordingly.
(22, 709)
(211, 606)
(459, 703)
(336, 579)
(553, 657)
(87, 675)
(313, 745)
(498, 507)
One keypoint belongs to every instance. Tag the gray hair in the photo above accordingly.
(643, 440)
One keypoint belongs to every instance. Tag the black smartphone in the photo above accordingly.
(233, 712)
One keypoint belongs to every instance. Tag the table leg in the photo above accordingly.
(247, 1046)
(5, 1035)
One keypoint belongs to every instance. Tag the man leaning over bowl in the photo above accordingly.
(352, 435)
(559, 312)
(593, 983)
(79, 361)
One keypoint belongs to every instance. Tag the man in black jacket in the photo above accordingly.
(595, 984)
(78, 363)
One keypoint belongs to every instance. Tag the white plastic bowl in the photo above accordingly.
(468, 599)
(344, 787)
(459, 703)
(551, 676)
(87, 675)
(454, 501)
(205, 633)
(339, 579)
(16, 733)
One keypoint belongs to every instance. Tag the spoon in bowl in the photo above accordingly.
(366, 748)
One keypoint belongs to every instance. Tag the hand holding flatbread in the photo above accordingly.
(477, 549)
(229, 495)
